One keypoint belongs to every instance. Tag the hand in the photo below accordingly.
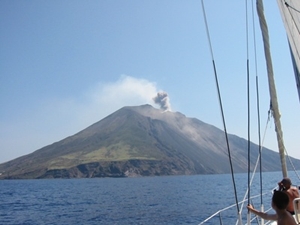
(250, 207)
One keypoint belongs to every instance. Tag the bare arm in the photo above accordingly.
(263, 215)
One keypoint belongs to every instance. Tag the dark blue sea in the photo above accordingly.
(146, 200)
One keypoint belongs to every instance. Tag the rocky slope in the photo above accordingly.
(139, 141)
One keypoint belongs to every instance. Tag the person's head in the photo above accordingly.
(285, 183)
(280, 200)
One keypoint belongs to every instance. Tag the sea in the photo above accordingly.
(141, 200)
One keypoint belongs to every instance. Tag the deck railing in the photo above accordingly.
(222, 213)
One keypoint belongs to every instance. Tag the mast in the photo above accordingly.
(272, 89)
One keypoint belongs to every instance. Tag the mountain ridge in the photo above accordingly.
(138, 141)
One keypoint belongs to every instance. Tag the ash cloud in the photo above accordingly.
(162, 99)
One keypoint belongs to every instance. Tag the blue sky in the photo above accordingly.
(65, 65)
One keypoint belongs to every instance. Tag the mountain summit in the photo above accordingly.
(138, 141)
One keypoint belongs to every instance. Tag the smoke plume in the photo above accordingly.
(162, 99)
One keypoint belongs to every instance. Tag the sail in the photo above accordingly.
(290, 13)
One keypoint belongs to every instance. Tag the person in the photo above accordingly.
(280, 201)
(285, 186)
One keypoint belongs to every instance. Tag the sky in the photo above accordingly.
(65, 65)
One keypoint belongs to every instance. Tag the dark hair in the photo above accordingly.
(286, 180)
(280, 199)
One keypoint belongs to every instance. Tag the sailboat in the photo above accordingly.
(290, 13)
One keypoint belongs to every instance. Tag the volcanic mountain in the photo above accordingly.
(139, 141)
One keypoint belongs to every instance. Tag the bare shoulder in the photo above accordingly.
(286, 222)
(293, 192)
(286, 219)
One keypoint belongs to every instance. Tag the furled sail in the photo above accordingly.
(272, 89)
(290, 13)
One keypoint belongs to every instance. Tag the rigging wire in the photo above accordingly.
(221, 106)
(257, 102)
(248, 99)
(256, 165)
(289, 6)
(259, 140)
(286, 152)
(292, 164)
